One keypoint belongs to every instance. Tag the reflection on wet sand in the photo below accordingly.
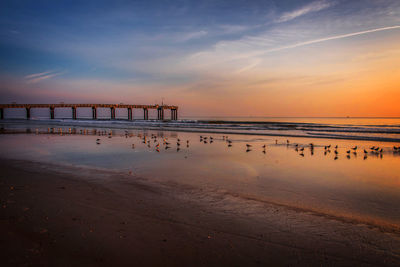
(314, 171)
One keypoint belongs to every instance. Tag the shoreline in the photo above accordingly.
(143, 126)
(116, 218)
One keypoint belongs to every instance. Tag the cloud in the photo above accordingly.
(31, 76)
(37, 77)
(312, 7)
(341, 36)
(192, 35)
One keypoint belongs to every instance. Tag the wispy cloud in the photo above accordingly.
(37, 77)
(332, 38)
(192, 35)
(312, 7)
(31, 76)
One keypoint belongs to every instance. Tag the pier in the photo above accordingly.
(160, 109)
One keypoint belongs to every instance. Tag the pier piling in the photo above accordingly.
(74, 113)
(94, 113)
(113, 113)
(28, 113)
(130, 114)
(52, 112)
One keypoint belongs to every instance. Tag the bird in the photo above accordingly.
(248, 145)
(302, 149)
(336, 147)
(348, 151)
(264, 146)
(336, 157)
(354, 148)
(365, 151)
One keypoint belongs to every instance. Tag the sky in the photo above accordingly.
(211, 58)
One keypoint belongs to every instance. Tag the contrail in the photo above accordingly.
(331, 38)
(38, 74)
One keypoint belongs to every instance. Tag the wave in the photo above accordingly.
(376, 132)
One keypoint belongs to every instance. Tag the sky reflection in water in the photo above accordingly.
(366, 188)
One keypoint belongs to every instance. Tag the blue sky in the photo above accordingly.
(193, 53)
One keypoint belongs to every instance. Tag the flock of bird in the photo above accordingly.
(160, 141)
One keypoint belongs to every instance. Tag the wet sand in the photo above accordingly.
(63, 216)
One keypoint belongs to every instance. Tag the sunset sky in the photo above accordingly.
(212, 58)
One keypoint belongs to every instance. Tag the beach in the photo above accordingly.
(68, 199)
(57, 216)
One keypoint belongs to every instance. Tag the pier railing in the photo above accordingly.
(160, 109)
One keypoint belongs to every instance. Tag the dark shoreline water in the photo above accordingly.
(387, 130)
